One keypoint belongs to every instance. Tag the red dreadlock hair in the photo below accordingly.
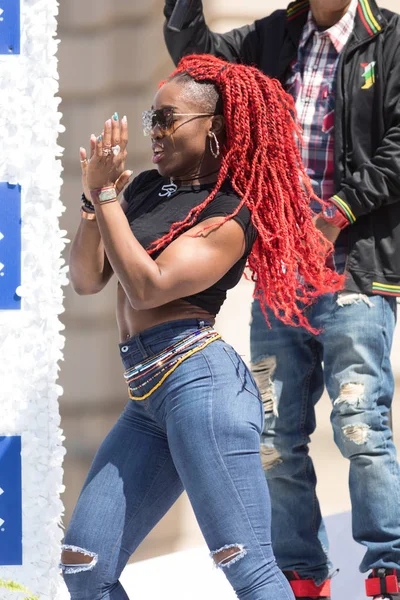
(262, 161)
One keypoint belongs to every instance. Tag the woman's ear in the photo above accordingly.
(218, 124)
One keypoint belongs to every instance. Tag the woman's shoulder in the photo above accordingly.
(225, 202)
(142, 182)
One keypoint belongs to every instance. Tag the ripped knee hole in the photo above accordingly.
(75, 560)
(351, 393)
(263, 372)
(228, 555)
(270, 457)
(357, 433)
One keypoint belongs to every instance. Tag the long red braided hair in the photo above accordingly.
(260, 157)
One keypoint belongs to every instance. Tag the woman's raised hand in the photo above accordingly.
(106, 166)
(84, 165)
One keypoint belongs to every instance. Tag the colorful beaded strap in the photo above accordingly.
(168, 352)
(168, 361)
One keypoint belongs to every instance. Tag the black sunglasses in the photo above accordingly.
(164, 119)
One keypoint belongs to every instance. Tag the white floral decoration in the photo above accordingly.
(30, 340)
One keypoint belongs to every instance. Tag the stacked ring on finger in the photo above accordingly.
(107, 151)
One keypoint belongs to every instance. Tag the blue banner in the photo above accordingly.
(10, 245)
(10, 27)
(10, 501)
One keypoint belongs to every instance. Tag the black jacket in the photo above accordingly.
(367, 121)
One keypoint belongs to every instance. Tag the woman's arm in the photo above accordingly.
(192, 263)
(89, 267)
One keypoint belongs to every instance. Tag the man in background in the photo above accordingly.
(340, 60)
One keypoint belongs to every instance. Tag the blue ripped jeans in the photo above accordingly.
(198, 431)
(354, 347)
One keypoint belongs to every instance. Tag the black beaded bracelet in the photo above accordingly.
(86, 204)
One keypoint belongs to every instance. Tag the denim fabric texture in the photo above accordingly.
(199, 431)
(351, 357)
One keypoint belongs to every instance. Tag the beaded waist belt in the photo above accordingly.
(157, 368)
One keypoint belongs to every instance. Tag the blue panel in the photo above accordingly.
(10, 246)
(10, 27)
(10, 501)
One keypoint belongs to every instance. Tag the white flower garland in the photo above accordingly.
(30, 340)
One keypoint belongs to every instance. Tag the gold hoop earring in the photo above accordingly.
(217, 151)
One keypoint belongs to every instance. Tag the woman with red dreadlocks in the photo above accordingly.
(229, 189)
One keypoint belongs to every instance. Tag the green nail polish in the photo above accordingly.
(99, 138)
(115, 116)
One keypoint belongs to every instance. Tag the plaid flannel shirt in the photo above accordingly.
(312, 83)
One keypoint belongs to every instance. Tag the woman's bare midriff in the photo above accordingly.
(131, 321)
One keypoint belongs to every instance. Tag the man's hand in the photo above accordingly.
(330, 231)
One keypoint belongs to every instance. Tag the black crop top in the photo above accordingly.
(151, 212)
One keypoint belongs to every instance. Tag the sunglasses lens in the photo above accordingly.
(165, 118)
(162, 118)
(147, 121)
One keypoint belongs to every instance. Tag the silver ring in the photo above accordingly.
(84, 160)
(106, 151)
(116, 149)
